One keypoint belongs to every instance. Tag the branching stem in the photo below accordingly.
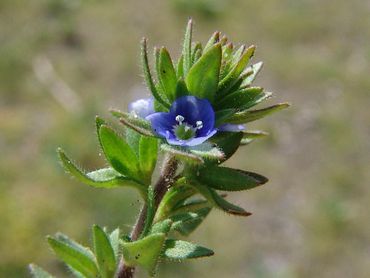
(165, 181)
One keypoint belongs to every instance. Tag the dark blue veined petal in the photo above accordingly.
(162, 123)
(142, 107)
(194, 109)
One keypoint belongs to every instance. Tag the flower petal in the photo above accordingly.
(142, 107)
(162, 123)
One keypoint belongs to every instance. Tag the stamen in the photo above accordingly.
(199, 124)
(179, 119)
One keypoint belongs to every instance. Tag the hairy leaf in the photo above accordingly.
(38, 272)
(118, 153)
(75, 256)
(228, 179)
(252, 115)
(202, 79)
(104, 252)
(180, 250)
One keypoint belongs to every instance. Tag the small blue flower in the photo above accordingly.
(231, 128)
(142, 107)
(190, 122)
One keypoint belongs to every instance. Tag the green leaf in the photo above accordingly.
(235, 72)
(167, 74)
(202, 80)
(227, 142)
(148, 76)
(251, 135)
(138, 124)
(75, 256)
(104, 252)
(215, 38)
(256, 68)
(219, 202)
(144, 252)
(186, 50)
(252, 115)
(181, 89)
(186, 223)
(223, 115)
(148, 149)
(151, 209)
(196, 52)
(161, 227)
(103, 178)
(99, 122)
(180, 250)
(38, 272)
(118, 153)
(174, 197)
(180, 67)
(133, 139)
(228, 179)
(241, 99)
(114, 241)
(182, 154)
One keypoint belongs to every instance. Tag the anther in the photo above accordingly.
(199, 124)
(179, 119)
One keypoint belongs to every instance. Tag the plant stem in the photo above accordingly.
(164, 182)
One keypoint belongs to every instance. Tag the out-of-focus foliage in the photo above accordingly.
(63, 61)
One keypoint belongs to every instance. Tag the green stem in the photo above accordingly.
(164, 182)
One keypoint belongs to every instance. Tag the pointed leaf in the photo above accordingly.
(144, 252)
(161, 227)
(180, 250)
(223, 115)
(202, 80)
(215, 38)
(148, 149)
(181, 89)
(235, 72)
(180, 67)
(219, 202)
(186, 50)
(151, 209)
(104, 252)
(74, 257)
(186, 223)
(38, 272)
(114, 241)
(147, 74)
(167, 74)
(118, 153)
(241, 99)
(252, 115)
(138, 124)
(105, 178)
(256, 68)
(228, 179)
(174, 197)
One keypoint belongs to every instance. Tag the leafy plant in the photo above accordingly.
(195, 119)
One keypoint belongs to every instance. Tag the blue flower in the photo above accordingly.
(190, 122)
(142, 107)
(231, 128)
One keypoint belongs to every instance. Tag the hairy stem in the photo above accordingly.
(164, 182)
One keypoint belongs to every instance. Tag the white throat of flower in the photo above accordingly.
(185, 131)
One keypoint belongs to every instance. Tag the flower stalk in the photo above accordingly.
(166, 179)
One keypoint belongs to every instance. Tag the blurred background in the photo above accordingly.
(64, 61)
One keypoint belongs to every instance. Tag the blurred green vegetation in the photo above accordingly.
(64, 61)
